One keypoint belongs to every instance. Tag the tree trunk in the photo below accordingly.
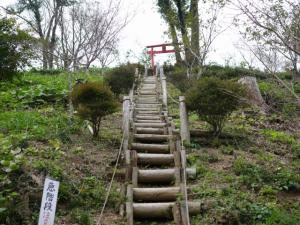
(183, 30)
(296, 72)
(45, 56)
(195, 37)
(175, 42)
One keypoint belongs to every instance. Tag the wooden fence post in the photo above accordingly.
(157, 69)
(164, 91)
(136, 72)
(161, 72)
(126, 124)
(146, 70)
(184, 123)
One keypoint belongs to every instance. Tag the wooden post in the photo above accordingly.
(157, 69)
(184, 123)
(126, 115)
(164, 91)
(129, 205)
(161, 72)
(136, 72)
(146, 70)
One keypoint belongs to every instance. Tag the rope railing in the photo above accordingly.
(127, 114)
(111, 183)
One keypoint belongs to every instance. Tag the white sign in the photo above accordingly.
(48, 205)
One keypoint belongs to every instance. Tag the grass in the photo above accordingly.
(249, 175)
(38, 138)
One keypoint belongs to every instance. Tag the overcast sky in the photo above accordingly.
(147, 28)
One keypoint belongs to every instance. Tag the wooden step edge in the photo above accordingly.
(156, 194)
(155, 159)
(159, 210)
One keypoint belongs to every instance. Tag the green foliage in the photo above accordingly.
(296, 150)
(179, 79)
(255, 176)
(93, 101)
(214, 100)
(121, 78)
(227, 150)
(251, 175)
(278, 99)
(282, 217)
(278, 136)
(47, 71)
(80, 217)
(35, 125)
(41, 95)
(10, 163)
(15, 48)
(228, 72)
(33, 90)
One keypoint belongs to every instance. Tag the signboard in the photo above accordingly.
(49, 200)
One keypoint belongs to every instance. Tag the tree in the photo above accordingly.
(42, 17)
(168, 13)
(93, 101)
(178, 14)
(275, 23)
(90, 33)
(195, 28)
(15, 48)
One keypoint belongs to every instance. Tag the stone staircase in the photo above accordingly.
(156, 162)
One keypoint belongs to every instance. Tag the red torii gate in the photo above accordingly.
(163, 50)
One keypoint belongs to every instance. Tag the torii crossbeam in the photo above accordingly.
(163, 49)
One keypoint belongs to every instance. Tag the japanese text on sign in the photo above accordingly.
(49, 200)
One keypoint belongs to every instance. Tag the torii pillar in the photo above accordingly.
(163, 49)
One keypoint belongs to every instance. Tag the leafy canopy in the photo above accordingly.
(15, 48)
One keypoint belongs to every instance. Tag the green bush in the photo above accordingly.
(15, 48)
(47, 71)
(93, 101)
(214, 100)
(278, 98)
(121, 78)
(230, 72)
(179, 79)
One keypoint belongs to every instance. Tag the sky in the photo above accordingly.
(146, 27)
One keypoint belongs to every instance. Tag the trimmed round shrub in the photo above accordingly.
(214, 100)
(93, 101)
